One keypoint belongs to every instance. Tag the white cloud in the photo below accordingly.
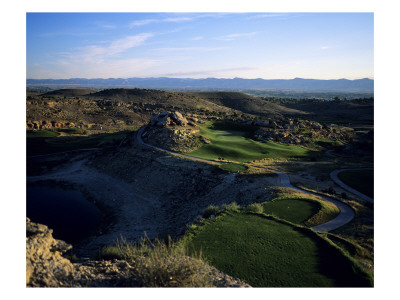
(165, 20)
(177, 19)
(128, 42)
(197, 38)
(124, 68)
(191, 49)
(268, 15)
(105, 25)
(233, 36)
(218, 73)
(142, 22)
(325, 47)
(99, 61)
(99, 53)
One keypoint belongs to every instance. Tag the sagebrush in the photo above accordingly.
(160, 264)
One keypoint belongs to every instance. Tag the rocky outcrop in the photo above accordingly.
(296, 132)
(45, 267)
(168, 118)
(181, 139)
(172, 131)
(49, 124)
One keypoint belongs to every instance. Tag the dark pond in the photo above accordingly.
(71, 216)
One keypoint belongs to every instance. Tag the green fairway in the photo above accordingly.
(232, 142)
(266, 252)
(360, 180)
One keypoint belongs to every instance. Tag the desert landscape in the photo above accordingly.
(225, 174)
(185, 149)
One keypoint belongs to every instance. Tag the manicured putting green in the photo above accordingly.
(293, 210)
(360, 180)
(265, 252)
(233, 143)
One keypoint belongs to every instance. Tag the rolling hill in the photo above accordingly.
(69, 92)
(246, 103)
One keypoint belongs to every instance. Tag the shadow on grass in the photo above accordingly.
(337, 264)
(39, 144)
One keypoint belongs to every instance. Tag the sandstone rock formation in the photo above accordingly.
(170, 130)
(168, 118)
(45, 267)
(296, 132)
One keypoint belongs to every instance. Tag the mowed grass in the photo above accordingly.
(233, 143)
(296, 208)
(293, 210)
(267, 252)
(360, 180)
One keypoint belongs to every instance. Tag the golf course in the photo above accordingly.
(232, 142)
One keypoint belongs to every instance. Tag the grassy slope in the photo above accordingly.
(234, 145)
(266, 252)
(245, 103)
(361, 180)
(343, 112)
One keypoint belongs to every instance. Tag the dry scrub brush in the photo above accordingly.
(160, 264)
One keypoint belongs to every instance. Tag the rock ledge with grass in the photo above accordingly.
(46, 267)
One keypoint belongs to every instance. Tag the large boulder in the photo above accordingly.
(168, 118)
(179, 119)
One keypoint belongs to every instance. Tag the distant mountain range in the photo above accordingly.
(359, 85)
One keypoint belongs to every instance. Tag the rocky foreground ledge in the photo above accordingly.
(46, 267)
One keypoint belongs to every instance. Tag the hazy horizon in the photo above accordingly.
(105, 78)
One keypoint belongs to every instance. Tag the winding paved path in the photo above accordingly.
(334, 176)
(346, 212)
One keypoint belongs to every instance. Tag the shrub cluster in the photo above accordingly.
(160, 264)
(231, 207)
(255, 208)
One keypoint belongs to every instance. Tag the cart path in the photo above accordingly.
(334, 176)
(346, 212)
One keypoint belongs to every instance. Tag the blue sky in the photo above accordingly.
(200, 45)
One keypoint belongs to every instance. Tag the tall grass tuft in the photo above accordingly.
(210, 210)
(160, 264)
(255, 208)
